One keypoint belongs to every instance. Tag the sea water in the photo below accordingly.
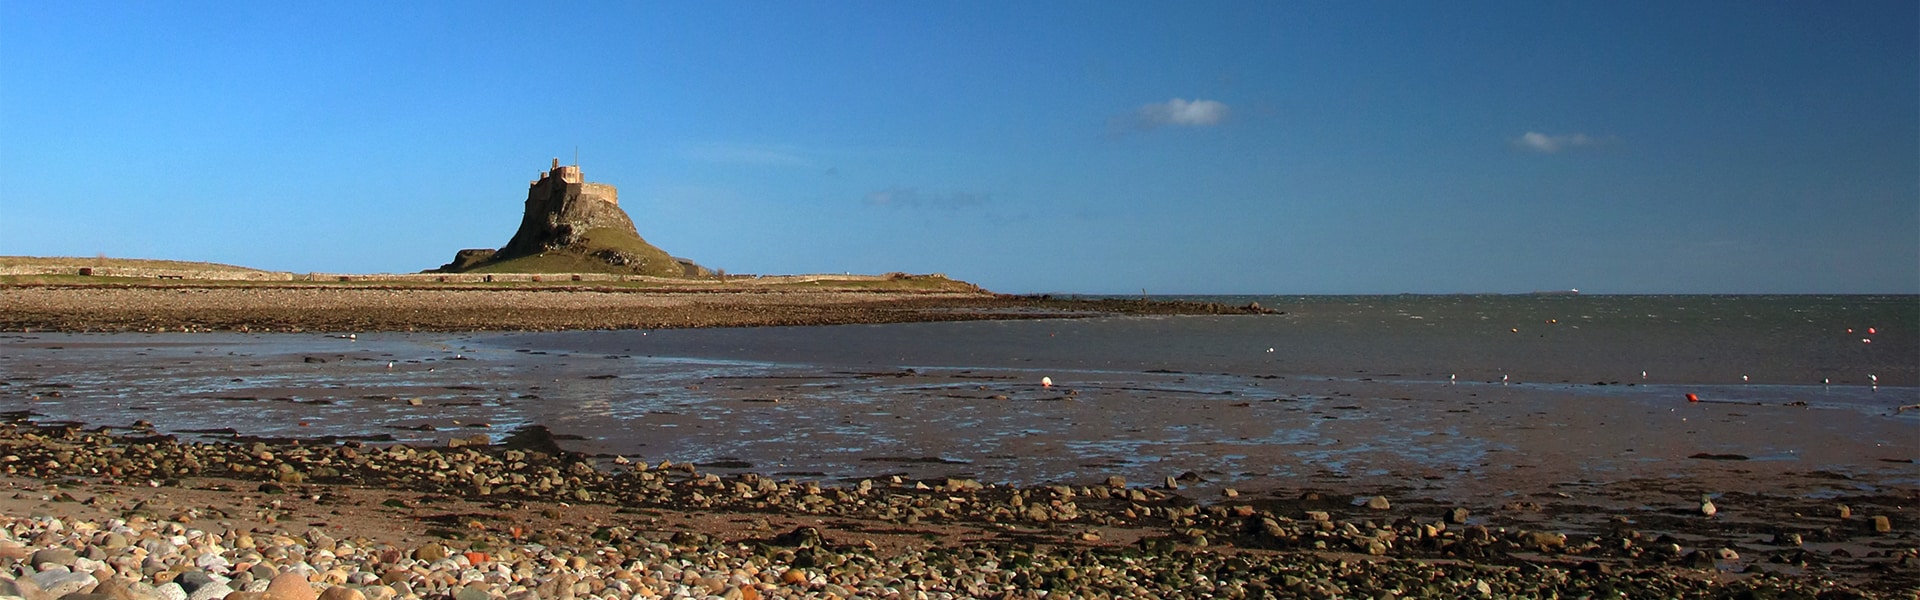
(1399, 386)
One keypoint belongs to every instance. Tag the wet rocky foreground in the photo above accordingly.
(128, 512)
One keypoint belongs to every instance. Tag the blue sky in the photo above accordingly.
(1098, 147)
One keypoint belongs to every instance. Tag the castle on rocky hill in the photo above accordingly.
(570, 223)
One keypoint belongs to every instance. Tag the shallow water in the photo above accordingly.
(1145, 398)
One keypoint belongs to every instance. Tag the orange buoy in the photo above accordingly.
(1692, 398)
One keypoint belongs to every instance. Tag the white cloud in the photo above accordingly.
(749, 154)
(1549, 144)
(1180, 113)
(906, 197)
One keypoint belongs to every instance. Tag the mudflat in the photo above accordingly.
(900, 460)
(281, 307)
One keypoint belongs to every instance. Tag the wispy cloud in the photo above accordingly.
(1549, 144)
(1175, 113)
(907, 197)
(749, 154)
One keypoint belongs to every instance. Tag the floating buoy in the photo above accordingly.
(1870, 331)
(1515, 330)
(1866, 340)
(1692, 398)
(1743, 379)
(1046, 382)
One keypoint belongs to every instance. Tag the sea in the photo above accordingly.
(1343, 385)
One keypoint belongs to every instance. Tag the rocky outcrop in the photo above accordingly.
(571, 225)
(561, 209)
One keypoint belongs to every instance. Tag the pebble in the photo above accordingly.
(290, 586)
(185, 556)
(214, 591)
(56, 583)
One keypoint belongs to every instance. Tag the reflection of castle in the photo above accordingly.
(570, 174)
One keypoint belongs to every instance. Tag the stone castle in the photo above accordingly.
(568, 216)
(570, 174)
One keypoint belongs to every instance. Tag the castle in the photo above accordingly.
(573, 225)
(570, 175)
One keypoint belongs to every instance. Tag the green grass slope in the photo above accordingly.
(603, 250)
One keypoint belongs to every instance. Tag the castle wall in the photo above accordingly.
(600, 191)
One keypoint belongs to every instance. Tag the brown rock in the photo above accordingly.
(290, 586)
(380, 592)
(793, 577)
(341, 592)
(430, 552)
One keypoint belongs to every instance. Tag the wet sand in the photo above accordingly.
(1580, 459)
(429, 307)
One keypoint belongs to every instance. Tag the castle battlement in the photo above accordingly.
(570, 174)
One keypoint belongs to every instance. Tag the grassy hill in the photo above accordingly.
(603, 250)
(77, 262)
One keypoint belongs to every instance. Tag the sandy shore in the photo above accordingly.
(429, 308)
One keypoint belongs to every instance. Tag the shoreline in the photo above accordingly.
(861, 538)
(450, 308)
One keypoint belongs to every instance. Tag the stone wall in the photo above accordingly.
(600, 191)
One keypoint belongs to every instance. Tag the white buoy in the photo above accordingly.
(389, 365)
(1452, 378)
(1643, 374)
(1503, 380)
(1743, 379)
(1046, 382)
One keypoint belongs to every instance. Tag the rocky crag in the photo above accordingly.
(572, 225)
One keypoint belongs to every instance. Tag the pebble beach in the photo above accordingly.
(96, 513)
